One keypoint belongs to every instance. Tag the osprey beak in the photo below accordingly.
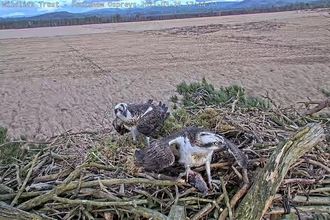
(125, 113)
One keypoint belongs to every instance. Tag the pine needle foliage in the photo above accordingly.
(326, 92)
(205, 94)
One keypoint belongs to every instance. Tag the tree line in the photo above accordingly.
(34, 23)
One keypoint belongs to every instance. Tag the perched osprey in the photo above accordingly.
(191, 147)
(141, 118)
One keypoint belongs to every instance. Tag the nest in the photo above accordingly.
(94, 176)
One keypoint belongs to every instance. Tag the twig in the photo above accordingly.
(307, 209)
(222, 216)
(311, 200)
(10, 196)
(18, 178)
(89, 216)
(20, 191)
(73, 185)
(48, 196)
(53, 176)
(100, 204)
(148, 213)
(235, 199)
(214, 204)
(321, 105)
(202, 212)
(317, 164)
(9, 212)
(303, 181)
(215, 165)
(21, 142)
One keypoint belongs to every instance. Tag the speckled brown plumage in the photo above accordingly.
(159, 154)
(142, 118)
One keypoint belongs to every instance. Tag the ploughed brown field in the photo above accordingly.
(60, 78)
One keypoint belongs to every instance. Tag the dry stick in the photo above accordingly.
(317, 164)
(230, 211)
(18, 178)
(321, 105)
(100, 204)
(258, 199)
(25, 142)
(68, 185)
(68, 171)
(8, 212)
(20, 191)
(73, 185)
(202, 212)
(306, 209)
(147, 213)
(48, 196)
(53, 176)
(23, 195)
(205, 211)
(4, 188)
(89, 215)
(234, 200)
(215, 165)
(209, 208)
(318, 190)
(299, 180)
(101, 166)
(312, 200)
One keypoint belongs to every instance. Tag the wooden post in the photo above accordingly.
(260, 196)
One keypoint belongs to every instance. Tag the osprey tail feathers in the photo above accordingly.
(164, 108)
(240, 157)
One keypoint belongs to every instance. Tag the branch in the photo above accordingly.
(261, 194)
(321, 105)
(148, 213)
(311, 200)
(20, 191)
(49, 196)
(8, 212)
(100, 204)
(307, 209)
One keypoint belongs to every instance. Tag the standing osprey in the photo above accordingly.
(192, 146)
(141, 118)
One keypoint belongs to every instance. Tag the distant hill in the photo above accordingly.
(268, 3)
(199, 7)
(48, 16)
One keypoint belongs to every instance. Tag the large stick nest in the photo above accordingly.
(93, 175)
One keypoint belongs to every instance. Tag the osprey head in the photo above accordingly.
(210, 141)
(121, 110)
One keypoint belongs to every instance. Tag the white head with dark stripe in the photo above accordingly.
(209, 140)
(121, 111)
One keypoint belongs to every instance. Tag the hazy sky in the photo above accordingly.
(30, 8)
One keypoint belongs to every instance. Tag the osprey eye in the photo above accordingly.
(216, 143)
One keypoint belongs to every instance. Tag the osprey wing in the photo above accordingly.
(156, 156)
(154, 117)
(139, 109)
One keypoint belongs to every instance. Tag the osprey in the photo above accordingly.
(141, 118)
(191, 147)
